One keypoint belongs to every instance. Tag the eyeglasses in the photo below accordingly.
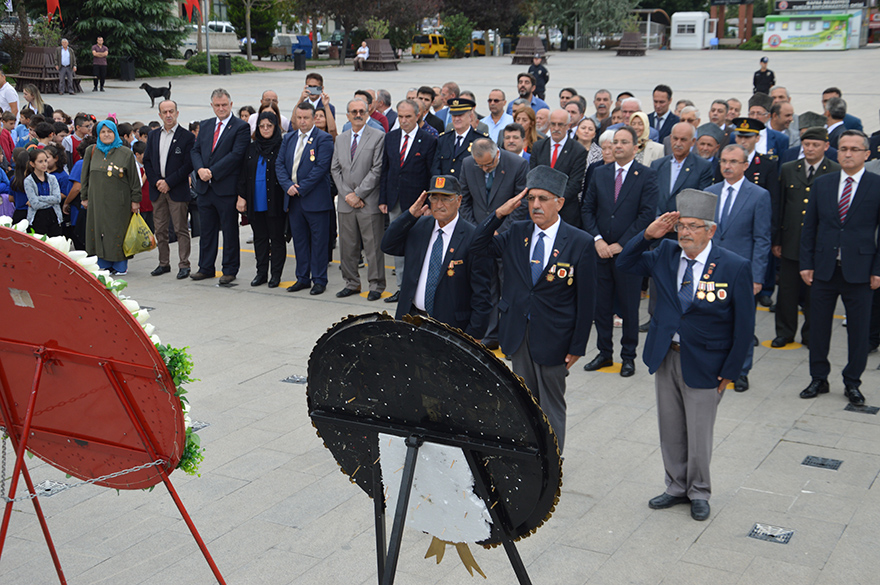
(727, 161)
(541, 198)
(689, 227)
(846, 149)
(267, 126)
(491, 101)
(442, 198)
(490, 164)
(357, 112)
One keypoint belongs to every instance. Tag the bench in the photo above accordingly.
(38, 67)
(526, 49)
(281, 53)
(381, 57)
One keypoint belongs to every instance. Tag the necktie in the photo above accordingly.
(810, 173)
(727, 203)
(843, 206)
(490, 178)
(658, 121)
(403, 149)
(434, 272)
(555, 154)
(216, 134)
(457, 143)
(297, 156)
(686, 292)
(538, 259)
(618, 183)
(354, 144)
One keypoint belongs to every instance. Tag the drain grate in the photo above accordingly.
(862, 408)
(821, 462)
(295, 379)
(198, 425)
(771, 533)
(50, 488)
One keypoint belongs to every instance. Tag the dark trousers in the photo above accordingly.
(46, 223)
(218, 214)
(269, 243)
(495, 285)
(614, 285)
(857, 303)
(770, 276)
(100, 73)
(310, 242)
(788, 298)
(874, 337)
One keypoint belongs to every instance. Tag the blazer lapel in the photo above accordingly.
(856, 199)
(454, 242)
(631, 177)
(738, 204)
(558, 249)
(685, 170)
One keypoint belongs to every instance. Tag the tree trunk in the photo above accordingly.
(199, 45)
(345, 40)
(314, 37)
(23, 24)
(247, 28)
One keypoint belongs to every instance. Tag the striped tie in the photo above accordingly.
(403, 149)
(843, 206)
(686, 292)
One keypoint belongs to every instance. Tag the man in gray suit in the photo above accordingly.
(743, 218)
(357, 169)
(65, 63)
(490, 177)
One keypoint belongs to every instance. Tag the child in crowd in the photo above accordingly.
(57, 162)
(81, 126)
(139, 148)
(22, 133)
(43, 195)
(72, 206)
(126, 132)
(61, 132)
(45, 133)
(7, 142)
(7, 205)
(16, 187)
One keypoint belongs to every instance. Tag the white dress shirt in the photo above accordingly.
(855, 185)
(223, 124)
(722, 201)
(447, 231)
(409, 144)
(165, 139)
(549, 240)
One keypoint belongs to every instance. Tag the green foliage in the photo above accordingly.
(755, 43)
(179, 364)
(193, 454)
(264, 15)
(457, 29)
(376, 28)
(45, 33)
(199, 64)
(400, 37)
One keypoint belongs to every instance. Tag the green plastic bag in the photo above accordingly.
(138, 237)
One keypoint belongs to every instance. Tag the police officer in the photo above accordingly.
(454, 146)
(764, 78)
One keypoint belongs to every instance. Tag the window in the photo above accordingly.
(687, 29)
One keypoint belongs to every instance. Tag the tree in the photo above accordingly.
(257, 18)
(457, 29)
(346, 13)
(485, 14)
(603, 16)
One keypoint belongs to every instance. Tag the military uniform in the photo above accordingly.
(449, 156)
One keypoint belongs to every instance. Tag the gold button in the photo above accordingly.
(808, 189)
(806, 200)
(804, 212)
(791, 186)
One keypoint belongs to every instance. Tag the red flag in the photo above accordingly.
(189, 5)
(51, 7)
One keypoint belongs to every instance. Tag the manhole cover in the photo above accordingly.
(862, 408)
(822, 462)
(771, 533)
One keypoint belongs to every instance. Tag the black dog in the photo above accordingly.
(154, 92)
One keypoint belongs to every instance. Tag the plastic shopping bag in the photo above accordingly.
(138, 238)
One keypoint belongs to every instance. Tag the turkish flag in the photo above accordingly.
(51, 7)
(189, 5)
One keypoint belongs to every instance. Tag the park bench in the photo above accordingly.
(381, 57)
(38, 67)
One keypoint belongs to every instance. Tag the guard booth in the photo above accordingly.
(691, 31)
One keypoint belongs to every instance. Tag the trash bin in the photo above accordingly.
(299, 60)
(333, 52)
(126, 68)
(505, 46)
(224, 64)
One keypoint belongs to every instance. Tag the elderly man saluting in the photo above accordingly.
(700, 333)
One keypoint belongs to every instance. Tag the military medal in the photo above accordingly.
(450, 273)
(710, 297)
(701, 295)
(550, 278)
(570, 281)
(312, 155)
(722, 294)
(562, 273)
(526, 241)
(555, 253)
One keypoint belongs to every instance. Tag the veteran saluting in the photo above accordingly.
(699, 336)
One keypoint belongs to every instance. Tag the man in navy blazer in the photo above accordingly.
(571, 159)
(662, 100)
(217, 158)
(698, 339)
(840, 256)
(303, 171)
(620, 202)
(167, 164)
(743, 219)
(406, 171)
(548, 290)
(683, 169)
(446, 280)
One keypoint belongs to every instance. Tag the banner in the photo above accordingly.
(801, 5)
(806, 33)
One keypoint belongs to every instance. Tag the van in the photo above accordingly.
(430, 46)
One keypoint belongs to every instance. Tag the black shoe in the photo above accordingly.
(854, 395)
(374, 295)
(643, 328)
(772, 308)
(227, 279)
(492, 345)
(201, 276)
(664, 501)
(158, 270)
(95, 89)
(274, 281)
(699, 509)
(318, 289)
(815, 388)
(259, 279)
(393, 298)
(741, 384)
(755, 342)
(298, 286)
(765, 301)
(102, 89)
(346, 292)
(183, 273)
(781, 341)
(600, 361)
(627, 368)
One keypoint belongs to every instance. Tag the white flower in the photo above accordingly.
(142, 316)
(131, 305)
(5, 221)
(22, 226)
(155, 339)
(60, 243)
(77, 255)
(149, 328)
(88, 262)
(187, 421)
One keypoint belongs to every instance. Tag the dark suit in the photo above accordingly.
(171, 206)
(874, 145)
(823, 239)
(795, 194)
(544, 322)
(460, 300)
(217, 198)
(311, 208)
(571, 160)
(695, 173)
(714, 339)
(666, 129)
(834, 135)
(617, 222)
(794, 153)
(448, 158)
(391, 116)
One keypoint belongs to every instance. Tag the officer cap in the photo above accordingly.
(459, 106)
(747, 126)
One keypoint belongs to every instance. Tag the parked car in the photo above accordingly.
(430, 46)
(477, 48)
(221, 26)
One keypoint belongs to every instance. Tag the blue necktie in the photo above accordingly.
(538, 259)
(727, 202)
(434, 272)
(686, 293)
(490, 178)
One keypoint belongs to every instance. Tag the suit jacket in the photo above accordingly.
(873, 166)
(313, 173)
(509, 181)
(405, 183)
(777, 142)
(448, 158)
(361, 175)
(852, 123)
(795, 193)
(824, 237)
(834, 135)
(435, 123)
(225, 160)
(572, 160)
(178, 165)
(461, 300)
(634, 210)
(391, 116)
(696, 173)
(480, 129)
(665, 130)
(58, 56)
(747, 229)
(715, 336)
(764, 172)
(558, 309)
(794, 153)
(874, 145)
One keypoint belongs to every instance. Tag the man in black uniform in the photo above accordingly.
(764, 79)
(542, 76)
(454, 146)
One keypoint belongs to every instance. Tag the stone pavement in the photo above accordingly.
(274, 508)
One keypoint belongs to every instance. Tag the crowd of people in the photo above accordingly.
(640, 197)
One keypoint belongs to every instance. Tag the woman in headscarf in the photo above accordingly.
(111, 191)
(261, 199)
(647, 151)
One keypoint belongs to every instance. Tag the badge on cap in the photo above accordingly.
(439, 182)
